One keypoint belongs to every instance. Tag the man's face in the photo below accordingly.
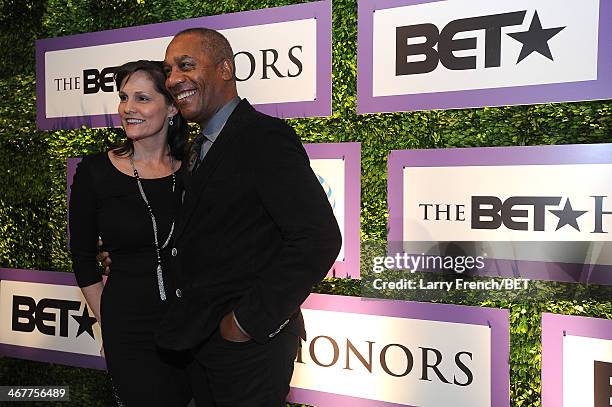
(198, 83)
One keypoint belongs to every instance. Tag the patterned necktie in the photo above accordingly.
(194, 153)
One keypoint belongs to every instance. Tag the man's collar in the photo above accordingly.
(216, 123)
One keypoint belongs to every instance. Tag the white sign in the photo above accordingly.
(508, 203)
(330, 173)
(397, 360)
(282, 57)
(480, 44)
(47, 316)
(449, 54)
(579, 357)
(576, 361)
(275, 63)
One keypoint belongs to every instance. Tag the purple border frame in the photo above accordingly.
(554, 328)
(320, 10)
(601, 88)
(497, 319)
(497, 156)
(46, 355)
(351, 153)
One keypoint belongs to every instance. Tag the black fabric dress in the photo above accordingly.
(106, 202)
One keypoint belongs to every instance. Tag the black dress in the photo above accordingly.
(106, 202)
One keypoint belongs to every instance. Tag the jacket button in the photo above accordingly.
(174, 251)
(179, 293)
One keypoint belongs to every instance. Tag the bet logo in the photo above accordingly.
(440, 46)
(29, 316)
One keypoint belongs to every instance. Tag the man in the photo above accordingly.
(255, 233)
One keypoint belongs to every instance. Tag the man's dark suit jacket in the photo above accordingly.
(255, 233)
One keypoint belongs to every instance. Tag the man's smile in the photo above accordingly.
(185, 94)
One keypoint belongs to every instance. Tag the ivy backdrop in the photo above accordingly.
(33, 164)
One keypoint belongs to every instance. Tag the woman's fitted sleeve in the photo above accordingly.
(83, 226)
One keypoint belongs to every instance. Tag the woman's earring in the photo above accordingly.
(171, 122)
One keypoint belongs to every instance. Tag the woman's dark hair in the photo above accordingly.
(178, 131)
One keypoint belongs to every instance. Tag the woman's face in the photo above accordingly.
(143, 110)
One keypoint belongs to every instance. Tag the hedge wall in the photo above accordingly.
(32, 171)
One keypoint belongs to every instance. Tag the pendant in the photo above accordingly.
(160, 283)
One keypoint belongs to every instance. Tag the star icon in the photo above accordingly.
(86, 323)
(535, 39)
(567, 216)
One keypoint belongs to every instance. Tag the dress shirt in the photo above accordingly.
(215, 125)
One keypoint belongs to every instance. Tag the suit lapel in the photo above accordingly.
(196, 182)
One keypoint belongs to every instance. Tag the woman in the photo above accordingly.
(129, 196)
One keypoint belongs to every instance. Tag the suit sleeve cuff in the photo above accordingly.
(240, 326)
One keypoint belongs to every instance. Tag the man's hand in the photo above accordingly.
(230, 331)
(103, 258)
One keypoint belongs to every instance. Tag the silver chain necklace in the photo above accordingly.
(160, 276)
